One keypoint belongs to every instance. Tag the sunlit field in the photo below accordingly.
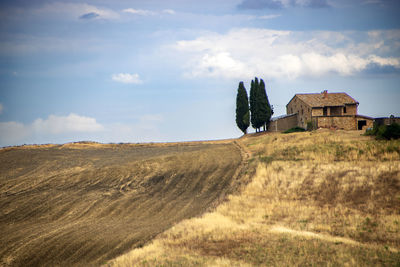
(314, 198)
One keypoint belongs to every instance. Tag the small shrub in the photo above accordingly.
(295, 129)
(310, 126)
(387, 132)
(392, 131)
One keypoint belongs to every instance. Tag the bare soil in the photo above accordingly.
(83, 204)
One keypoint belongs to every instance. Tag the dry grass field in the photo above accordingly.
(321, 198)
(86, 203)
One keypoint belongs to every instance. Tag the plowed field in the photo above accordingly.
(83, 204)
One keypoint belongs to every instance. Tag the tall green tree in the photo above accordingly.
(242, 109)
(265, 108)
(261, 110)
(254, 105)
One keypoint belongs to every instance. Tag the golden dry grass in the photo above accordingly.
(328, 198)
(86, 203)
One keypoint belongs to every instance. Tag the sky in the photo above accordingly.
(168, 70)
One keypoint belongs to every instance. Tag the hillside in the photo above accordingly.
(315, 198)
(86, 203)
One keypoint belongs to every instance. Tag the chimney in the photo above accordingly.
(324, 94)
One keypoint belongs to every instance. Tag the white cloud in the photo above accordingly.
(169, 11)
(65, 124)
(384, 61)
(73, 127)
(144, 12)
(218, 65)
(140, 12)
(276, 4)
(1, 108)
(12, 132)
(75, 10)
(271, 16)
(244, 53)
(127, 78)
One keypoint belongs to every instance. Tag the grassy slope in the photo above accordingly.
(81, 204)
(315, 198)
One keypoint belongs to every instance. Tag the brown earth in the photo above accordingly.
(85, 203)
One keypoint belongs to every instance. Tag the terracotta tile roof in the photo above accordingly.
(328, 99)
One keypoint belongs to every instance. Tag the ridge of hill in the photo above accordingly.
(328, 198)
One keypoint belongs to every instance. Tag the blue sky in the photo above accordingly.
(151, 71)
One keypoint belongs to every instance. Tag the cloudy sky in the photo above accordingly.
(168, 70)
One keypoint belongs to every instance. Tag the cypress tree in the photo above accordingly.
(242, 109)
(264, 106)
(255, 105)
(261, 110)
(257, 115)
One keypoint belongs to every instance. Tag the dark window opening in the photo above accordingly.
(344, 110)
(325, 111)
(361, 124)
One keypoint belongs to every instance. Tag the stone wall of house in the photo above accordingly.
(302, 109)
(351, 109)
(283, 124)
(342, 122)
(317, 111)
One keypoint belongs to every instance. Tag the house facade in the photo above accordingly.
(322, 110)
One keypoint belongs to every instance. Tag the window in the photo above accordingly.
(344, 109)
(325, 111)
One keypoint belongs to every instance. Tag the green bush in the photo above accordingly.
(295, 129)
(387, 132)
(392, 131)
(310, 126)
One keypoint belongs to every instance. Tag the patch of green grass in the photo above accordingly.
(294, 130)
(391, 147)
(266, 159)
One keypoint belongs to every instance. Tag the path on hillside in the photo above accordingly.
(83, 204)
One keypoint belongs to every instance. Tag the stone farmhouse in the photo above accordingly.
(321, 110)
